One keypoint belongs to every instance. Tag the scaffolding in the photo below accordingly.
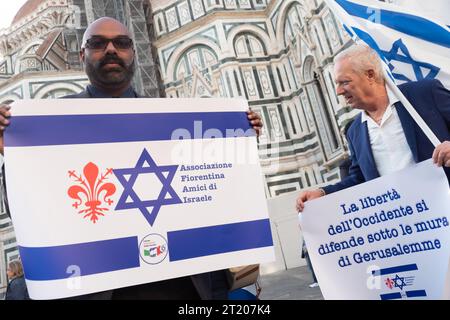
(145, 80)
(108, 8)
(136, 15)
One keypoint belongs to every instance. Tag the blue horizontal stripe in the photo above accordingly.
(27, 131)
(416, 293)
(53, 263)
(412, 25)
(367, 38)
(199, 242)
(349, 31)
(391, 296)
(404, 268)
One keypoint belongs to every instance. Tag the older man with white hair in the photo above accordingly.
(384, 138)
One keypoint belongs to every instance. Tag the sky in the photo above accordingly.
(439, 8)
(9, 8)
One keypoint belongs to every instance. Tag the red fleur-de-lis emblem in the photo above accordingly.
(93, 188)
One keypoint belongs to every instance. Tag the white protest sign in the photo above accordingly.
(385, 239)
(104, 194)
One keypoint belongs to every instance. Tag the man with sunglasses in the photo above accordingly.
(108, 55)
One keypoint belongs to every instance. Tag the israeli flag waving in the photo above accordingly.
(413, 47)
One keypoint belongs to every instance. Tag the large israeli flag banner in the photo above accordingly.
(414, 46)
(109, 193)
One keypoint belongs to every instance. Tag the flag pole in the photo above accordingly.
(411, 110)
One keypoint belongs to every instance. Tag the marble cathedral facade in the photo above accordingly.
(276, 54)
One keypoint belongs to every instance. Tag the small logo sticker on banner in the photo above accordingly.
(93, 189)
(153, 248)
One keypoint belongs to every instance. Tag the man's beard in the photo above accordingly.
(113, 76)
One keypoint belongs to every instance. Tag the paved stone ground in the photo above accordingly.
(292, 284)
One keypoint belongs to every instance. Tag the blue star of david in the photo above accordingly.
(399, 282)
(400, 52)
(144, 205)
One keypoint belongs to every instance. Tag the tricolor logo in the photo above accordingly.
(153, 248)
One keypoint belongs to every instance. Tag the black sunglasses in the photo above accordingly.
(100, 43)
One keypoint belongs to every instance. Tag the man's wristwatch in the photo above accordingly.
(322, 192)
